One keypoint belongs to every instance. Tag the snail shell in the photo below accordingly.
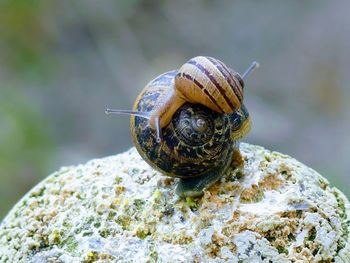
(203, 80)
(209, 81)
(197, 143)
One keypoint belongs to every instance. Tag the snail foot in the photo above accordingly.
(195, 186)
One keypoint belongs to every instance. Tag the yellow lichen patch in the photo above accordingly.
(232, 247)
(93, 256)
(270, 182)
(97, 173)
(234, 225)
(236, 215)
(323, 183)
(119, 189)
(55, 237)
(285, 170)
(205, 218)
(231, 187)
(90, 257)
(217, 241)
(142, 232)
(231, 229)
(167, 181)
(279, 231)
(115, 203)
(304, 254)
(251, 195)
(180, 238)
(263, 165)
(213, 199)
(156, 195)
(291, 214)
(213, 190)
(247, 224)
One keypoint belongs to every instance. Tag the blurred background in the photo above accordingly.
(63, 62)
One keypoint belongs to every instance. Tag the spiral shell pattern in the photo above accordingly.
(209, 81)
(196, 141)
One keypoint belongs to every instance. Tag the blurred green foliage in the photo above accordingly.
(22, 37)
(26, 146)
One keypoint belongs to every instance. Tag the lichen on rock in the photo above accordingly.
(118, 209)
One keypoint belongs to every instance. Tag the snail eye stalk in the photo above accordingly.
(145, 115)
(158, 130)
(251, 68)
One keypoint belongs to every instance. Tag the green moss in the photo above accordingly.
(97, 224)
(39, 192)
(312, 234)
(139, 203)
(111, 215)
(341, 205)
(118, 179)
(239, 175)
(66, 224)
(105, 232)
(153, 256)
(270, 238)
(56, 236)
(87, 233)
(142, 233)
(345, 224)
(282, 250)
(124, 221)
(192, 203)
(299, 213)
(157, 195)
(267, 158)
(291, 237)
(90, 257)
(345, 227)
(90, 220)
(342, 241)
(70, 244)
(78, 230)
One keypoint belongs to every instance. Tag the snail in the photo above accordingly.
(198, 114)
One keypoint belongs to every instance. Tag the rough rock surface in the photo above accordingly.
(117, 209)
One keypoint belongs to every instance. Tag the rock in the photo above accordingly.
(118, 209)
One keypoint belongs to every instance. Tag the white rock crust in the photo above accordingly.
(118, 209)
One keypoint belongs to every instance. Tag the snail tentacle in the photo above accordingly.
(145, 115)
(251, 68)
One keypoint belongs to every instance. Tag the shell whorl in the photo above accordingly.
(210, 82)
(197, 139)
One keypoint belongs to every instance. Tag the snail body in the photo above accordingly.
(197, 144)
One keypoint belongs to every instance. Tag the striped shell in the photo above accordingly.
(202, 80)
(210, 82)
(197, 140)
